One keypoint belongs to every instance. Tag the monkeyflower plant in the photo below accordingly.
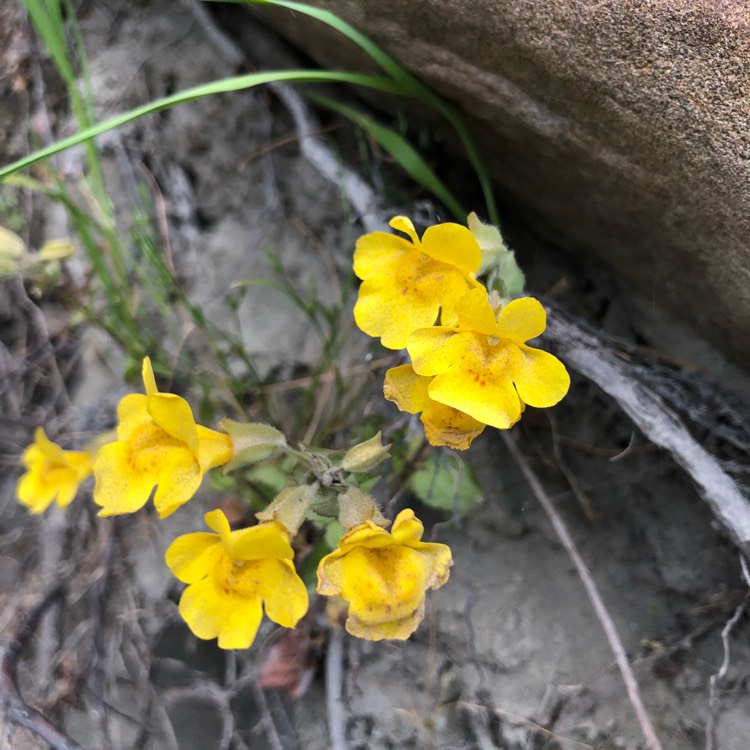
(471, 365)
(233, 576)
(452, 300)
(52, 474)
(158, 445)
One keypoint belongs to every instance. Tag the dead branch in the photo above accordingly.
(16, 709)
(596, 359)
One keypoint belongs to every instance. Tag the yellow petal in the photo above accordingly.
(449, 427)
(217, 521)
(33, 458)
(132, 415)
(192, 556)
(178, 479)
(33, 492)
(378, 249)
(119, 488)
(261, 541)
(435, 350)
(67, 490)
(475, 312)
(522, 319)
(404, 224)
(391, 307)
(407, 296)
(480, 383)
(149, 381)
(406, 389)
(454, 244)
(331, 574)
(284, 593)
(214, 448)
(438, 559)
(407, 528)
(50, 451)
(385, 584)
(540, 378)
(394, 630)
(212, 612)
(174, 415)
(241, 624)
(368, 535)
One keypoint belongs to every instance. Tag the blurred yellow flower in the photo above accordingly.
(384, 576)
(232, 576)
(406, 284)
(483, 367)
(158, 445)
(443, 425)
(53, 474)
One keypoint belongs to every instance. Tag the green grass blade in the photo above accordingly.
(47, 18)
(409, 83)
(235, 83)
(401, 150)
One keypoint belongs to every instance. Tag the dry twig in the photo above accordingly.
(16, 709)
(610, 631)
(718, 678)
(594, 358)
(334, 689)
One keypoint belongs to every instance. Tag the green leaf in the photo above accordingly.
(334, 531)
(234, 83)
(407, 83)
(401, 150)
(446, 483)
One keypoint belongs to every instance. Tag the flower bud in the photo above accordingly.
(12, 247)
(252, 442)
(498, 263)
(56, 250)
(289, 507)
(357, 507)
(365, 456)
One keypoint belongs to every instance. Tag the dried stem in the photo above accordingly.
(334, 689)
(610, 631)
(17, 710)
(718, 678)
(595, 358)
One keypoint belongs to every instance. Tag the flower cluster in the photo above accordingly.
(232, 577)
(53, 474)
(158, 445)
(471, 365)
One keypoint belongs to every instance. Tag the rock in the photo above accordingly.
(621, 129)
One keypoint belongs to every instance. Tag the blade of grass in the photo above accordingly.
(400, 149)
(234, 83)
(407, 82)
(46, 16)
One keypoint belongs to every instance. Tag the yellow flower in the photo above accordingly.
(406, 284)
(384, 576)
(232, 575)
(158, 444)
(483, 367)
(53, 474)
(443, 425)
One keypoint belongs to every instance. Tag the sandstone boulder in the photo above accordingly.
(622, 126)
